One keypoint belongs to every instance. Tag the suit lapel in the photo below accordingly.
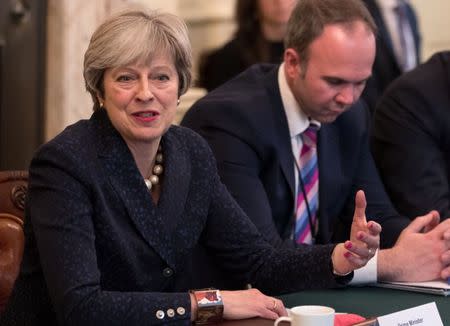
(127, 182)
(281, 129)
(330, 176)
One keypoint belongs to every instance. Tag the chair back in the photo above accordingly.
(13, 189)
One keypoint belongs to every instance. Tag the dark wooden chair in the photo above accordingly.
(13, 189)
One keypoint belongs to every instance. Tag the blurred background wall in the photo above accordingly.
(435, 25)
(67, 26)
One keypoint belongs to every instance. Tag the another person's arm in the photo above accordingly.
(409, 125)
(408, 147)
(421, 253)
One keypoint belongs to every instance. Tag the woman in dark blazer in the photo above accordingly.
(118, 203)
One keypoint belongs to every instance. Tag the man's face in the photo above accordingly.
(338, 66)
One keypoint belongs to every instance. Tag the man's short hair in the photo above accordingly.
(310, 17)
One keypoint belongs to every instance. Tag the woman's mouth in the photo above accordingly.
(146, 116)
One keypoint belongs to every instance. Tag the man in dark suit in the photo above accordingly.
(411, 138)
(392, 59)
(254, 125)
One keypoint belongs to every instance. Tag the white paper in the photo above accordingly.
(439, 287)
(438, 284)
(424, 315)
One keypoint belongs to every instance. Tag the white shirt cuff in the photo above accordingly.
(367, 274)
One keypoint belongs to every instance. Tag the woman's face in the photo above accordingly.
(275, 12)
(141, 99)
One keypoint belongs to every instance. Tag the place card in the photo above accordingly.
(424, 315)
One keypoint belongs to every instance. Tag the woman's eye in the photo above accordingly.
(162, 77)
(124, 78)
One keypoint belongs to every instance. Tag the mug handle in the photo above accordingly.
(289, 319)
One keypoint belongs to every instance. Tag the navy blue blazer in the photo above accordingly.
(100, 252)
(386, 67)
(246, 126)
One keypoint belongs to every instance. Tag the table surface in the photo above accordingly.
(364, 301)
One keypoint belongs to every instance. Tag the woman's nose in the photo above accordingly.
(144, 92)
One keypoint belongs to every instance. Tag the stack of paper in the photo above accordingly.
(434, 287)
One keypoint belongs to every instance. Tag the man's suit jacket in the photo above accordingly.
(100, 252)
(411, 138)
(246, 126)
(386, 67)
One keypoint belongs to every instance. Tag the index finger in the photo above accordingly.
(360, 207)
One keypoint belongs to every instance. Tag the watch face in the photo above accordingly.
(208, 298)
(209, 306)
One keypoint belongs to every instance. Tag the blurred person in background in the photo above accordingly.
(261, 26)
(398, 45)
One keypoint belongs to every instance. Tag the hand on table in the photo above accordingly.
(363, 243)
(421, 253)
(251, 303)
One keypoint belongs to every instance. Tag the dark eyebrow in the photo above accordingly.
(337, 80)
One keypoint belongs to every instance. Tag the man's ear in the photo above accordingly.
(292, 63)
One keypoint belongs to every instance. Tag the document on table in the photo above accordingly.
(439, 287)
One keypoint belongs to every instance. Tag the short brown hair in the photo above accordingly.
(309, 18)
(133, 35)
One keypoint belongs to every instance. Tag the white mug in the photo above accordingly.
(309, 316)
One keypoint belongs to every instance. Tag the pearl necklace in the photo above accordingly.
(157, 170)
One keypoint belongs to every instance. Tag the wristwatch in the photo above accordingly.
(209, 306)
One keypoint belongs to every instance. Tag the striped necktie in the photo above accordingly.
(308, 185)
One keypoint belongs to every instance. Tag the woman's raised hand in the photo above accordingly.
(363, 243)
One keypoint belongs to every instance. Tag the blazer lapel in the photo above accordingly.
(330, 175)
(129, 185)
(177, 179)
(281, 129)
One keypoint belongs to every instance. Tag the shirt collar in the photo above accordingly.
(298, 122)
